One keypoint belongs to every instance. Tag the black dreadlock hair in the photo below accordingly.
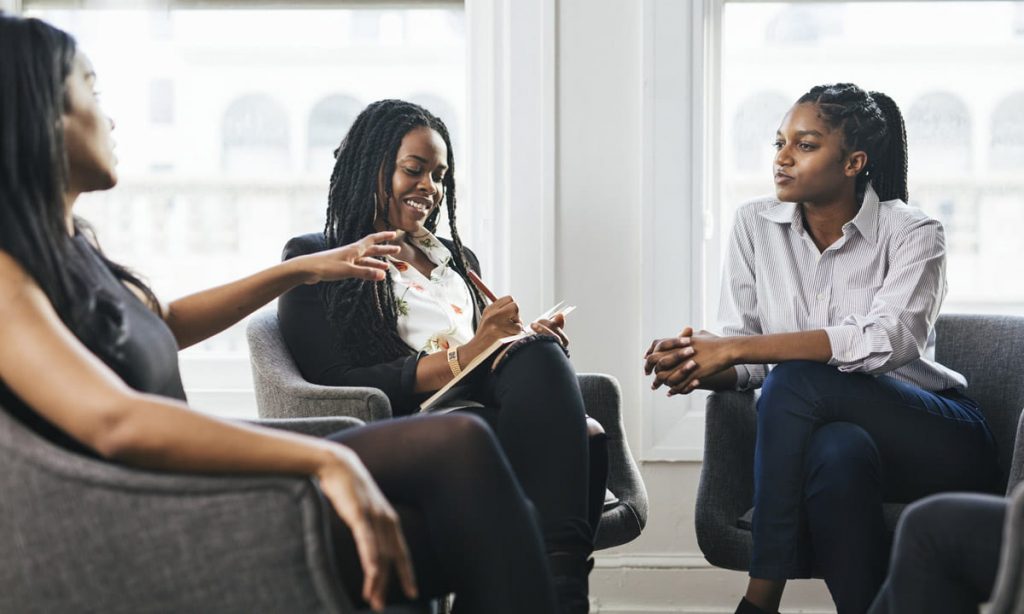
(364, 314)
(36, 60)
(871, 122)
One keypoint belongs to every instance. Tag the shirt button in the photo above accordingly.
(821, 296)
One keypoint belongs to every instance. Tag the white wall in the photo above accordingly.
(599, 140)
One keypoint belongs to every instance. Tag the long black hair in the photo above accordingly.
(35, 62)
(871, 122)
(364, 314)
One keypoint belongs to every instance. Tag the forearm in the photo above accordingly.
(201, 315)
(157, 433)
(769, 349)
(433, 371)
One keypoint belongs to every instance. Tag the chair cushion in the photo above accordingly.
(890, 512)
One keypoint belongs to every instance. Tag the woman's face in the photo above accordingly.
(811, 165)
(90, 148)
(417, 184)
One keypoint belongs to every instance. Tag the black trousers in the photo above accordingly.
(534, 405)
(468, 524)
(945, 556)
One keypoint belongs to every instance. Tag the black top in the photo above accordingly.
(143, 351)
(308, 334)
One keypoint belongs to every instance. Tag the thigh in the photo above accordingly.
(927, 442)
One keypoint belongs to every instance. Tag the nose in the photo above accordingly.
(783, 156)
(427, 184)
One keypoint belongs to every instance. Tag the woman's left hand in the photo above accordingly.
(711, 354)
(553, 327)
(356, 260)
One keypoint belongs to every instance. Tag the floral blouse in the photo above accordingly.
(434, 313)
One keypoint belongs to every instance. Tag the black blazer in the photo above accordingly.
(313, 344)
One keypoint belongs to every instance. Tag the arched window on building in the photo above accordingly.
(939, 134)
(255, 136)
(329, 122)
(1007, 148)
(753, 130)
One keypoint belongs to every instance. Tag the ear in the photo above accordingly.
(855, 163)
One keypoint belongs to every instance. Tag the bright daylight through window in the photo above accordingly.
(953, 67)
(226, 121)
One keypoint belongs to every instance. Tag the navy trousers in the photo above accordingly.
(831, 446)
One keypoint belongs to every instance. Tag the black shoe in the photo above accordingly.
(570, 573)
(745, 607)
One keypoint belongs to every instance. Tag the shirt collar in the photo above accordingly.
(866, 220)
(432, 247)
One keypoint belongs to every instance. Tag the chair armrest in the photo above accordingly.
(85, 535)
(1007, 596)
(726, 488)
(603, 401)
(1017, 462)
(297, 398)
(316, 427)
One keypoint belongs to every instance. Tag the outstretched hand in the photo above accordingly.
(355, 260)
(375, 526)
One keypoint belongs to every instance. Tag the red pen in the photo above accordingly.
(479, 283)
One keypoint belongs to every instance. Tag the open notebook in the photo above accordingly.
(437, 399)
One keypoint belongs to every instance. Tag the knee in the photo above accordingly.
(469, 433)
(932, 517)
(841, 457)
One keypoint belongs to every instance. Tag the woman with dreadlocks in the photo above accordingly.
(410, 335)
(88, 360)
(837, 282)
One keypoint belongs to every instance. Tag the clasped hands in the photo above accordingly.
(680, 363)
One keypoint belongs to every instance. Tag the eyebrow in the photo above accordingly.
(800, 133)
(425, 161)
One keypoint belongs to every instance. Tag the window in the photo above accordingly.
(226, 120)
(927, 56)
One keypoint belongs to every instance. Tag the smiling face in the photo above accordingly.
(90, 148)
(811, 164)
(417, 183)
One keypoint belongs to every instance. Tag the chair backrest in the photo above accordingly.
(989, 351)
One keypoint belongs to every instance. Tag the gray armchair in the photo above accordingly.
(282, 392)
(81, 535)
(986, 349)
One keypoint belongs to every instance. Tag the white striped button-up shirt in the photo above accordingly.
(876, 292)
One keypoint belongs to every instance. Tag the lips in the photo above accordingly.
(782, 178)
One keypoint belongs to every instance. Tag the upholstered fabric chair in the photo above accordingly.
(282, 392)
(82, 535)
(986, 349)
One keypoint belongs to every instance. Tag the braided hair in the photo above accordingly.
(871, 122)
(364, 314)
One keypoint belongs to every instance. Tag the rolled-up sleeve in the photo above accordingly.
(895, 330)
(737, 305)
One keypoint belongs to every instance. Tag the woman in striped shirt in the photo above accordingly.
(829, 301)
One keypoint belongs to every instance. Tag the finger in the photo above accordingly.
(379, 237)
(403, 564)
(681, 374)
(671, 343)
(662, 375)
(651, 349)
(372, 263)
(379, 587)
(382, 250)
(558, 321)
(545, 329)
(366, 273)
(367, 548)
(686, 332)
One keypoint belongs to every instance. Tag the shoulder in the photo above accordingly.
(301, 245)
(898, 219)
(18, 289)
(752, 216)
(471, 259)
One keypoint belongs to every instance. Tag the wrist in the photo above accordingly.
(299, 270)
(736, 349)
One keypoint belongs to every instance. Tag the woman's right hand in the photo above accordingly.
(499, 319)
(375, 526)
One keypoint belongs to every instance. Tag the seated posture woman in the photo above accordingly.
(88, 359)
(837, 282)
(409, 335)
